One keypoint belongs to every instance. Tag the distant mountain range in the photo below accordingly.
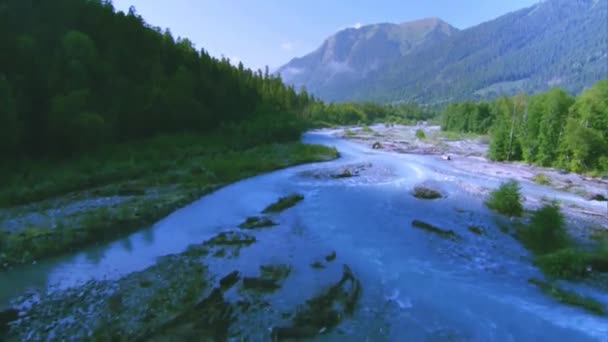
(553, 43)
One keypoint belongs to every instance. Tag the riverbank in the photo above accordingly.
(49, 209)
(205, 292)
(415, 267)
(585, 207)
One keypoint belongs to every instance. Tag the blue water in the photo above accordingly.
(416, 286)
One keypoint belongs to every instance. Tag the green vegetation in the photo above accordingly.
(446, 234)
(283, 203)
(547, 129)
(555, 254)
(126, 82)
(541, 179)
(569, 297)
(546, 232)
(567, 263)
(426, 193)
(179, 168)
(127, 111)
(351, 113)
(255, 222)
(420, 134)
(367, 129)
(506, 199)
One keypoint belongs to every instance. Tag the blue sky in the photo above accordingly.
(272, 32)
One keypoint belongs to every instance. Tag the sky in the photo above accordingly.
(272, 32)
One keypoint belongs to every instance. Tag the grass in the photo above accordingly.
(506, 199)
(186, 166)
(570, 297)
(283, 203)
(541, 179)
(367, 129)
(420, 134)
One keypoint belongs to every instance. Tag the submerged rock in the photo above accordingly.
(346, 171)
(255, 222)
(331, 257)
(597, 197)
(476, 230)
(317, 264)
(229, 280)
(208, 320)
(283, 203)
(260, 284)
(269, 279)
(426, 193)
(324, 311)
(230, 239)
(377, 145)
(446, 234)
(275, 272)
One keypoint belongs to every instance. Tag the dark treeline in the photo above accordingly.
(351, 113)
(549, 129)
(76, 74)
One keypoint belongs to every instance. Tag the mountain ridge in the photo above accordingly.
(552, 43)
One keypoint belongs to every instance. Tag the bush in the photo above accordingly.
(420, 134)
(542, 179)
(566, 263)
(506, 199)
(546, 232)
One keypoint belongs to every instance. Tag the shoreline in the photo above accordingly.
(467, 155)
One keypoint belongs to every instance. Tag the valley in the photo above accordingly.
(361, 220)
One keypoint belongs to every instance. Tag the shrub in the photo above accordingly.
(566, 263)
(546, 232)
(506, 199)
(542, 179)
(599, 259)
(420, 134)
(367, 129)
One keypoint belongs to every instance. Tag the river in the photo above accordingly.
(416, 286)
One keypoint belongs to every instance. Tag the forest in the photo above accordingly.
(77, 75)
(320, 114)
(548, 129)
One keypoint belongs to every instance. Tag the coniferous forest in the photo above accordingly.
(77, 74)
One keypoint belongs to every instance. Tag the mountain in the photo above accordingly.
(553, 43)
(351, 55)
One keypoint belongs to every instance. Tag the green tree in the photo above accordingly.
(556, 105)
(9, 125)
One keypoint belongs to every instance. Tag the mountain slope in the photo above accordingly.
(554, 43)
(352, 54)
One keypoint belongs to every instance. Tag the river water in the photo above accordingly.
(416, 285)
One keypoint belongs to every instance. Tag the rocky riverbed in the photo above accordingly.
(363, 254)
